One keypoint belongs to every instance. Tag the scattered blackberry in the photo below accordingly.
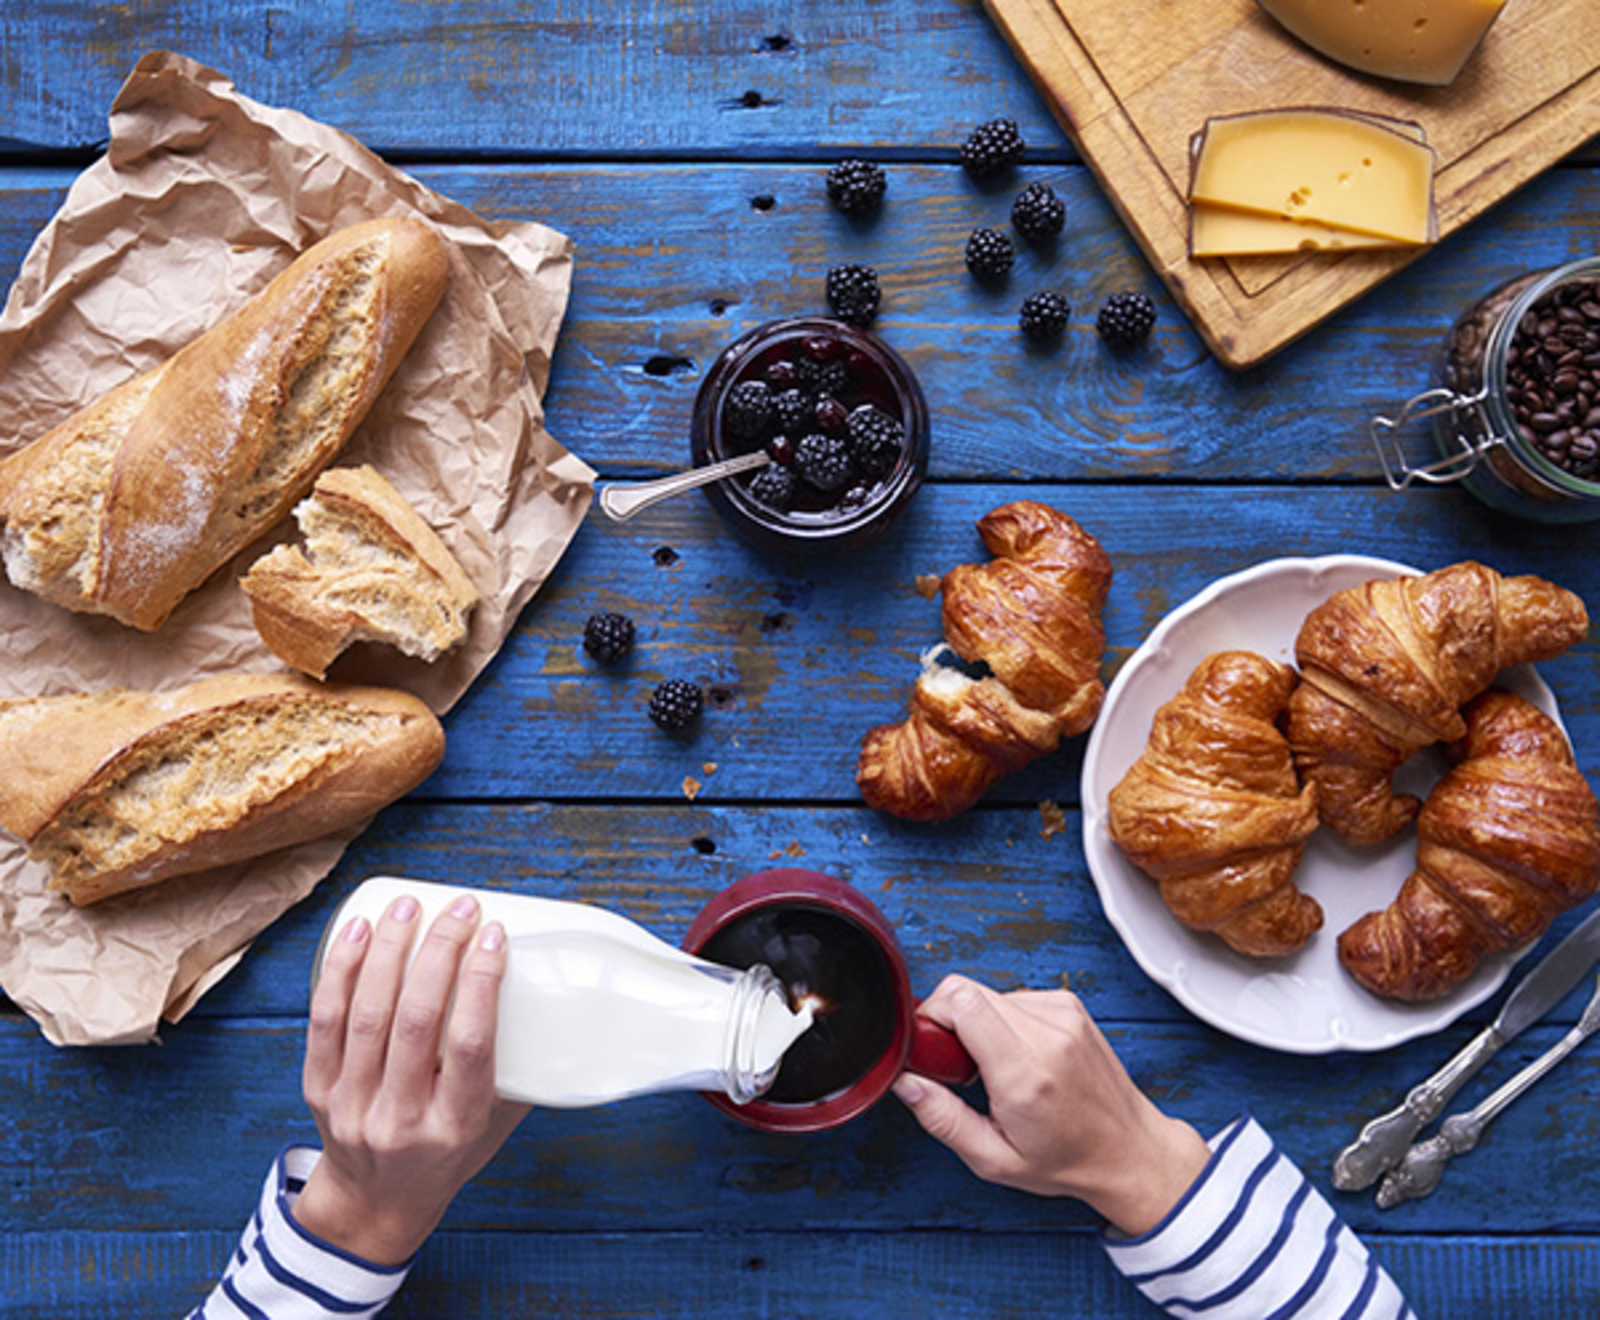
(853, 293)
(608, 637)
(791, 410)
(774, 487)
(676, 704)
(829, 376)
(991, 147)
(1038, 213)
(1044, 315)
(876, 440)
(824, 461)
(1126, 319)
(989, 254)
(747, 411)
(856, 186)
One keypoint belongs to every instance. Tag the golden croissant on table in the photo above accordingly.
(1213, 810)
(1507, 841)
(1031, 618)
(1386, 667)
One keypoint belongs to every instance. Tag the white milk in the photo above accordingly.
(594, 1008)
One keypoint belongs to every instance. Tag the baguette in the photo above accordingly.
(121, 789)
(372, 571)
(136, 499)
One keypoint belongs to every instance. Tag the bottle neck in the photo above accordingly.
(761, 1026)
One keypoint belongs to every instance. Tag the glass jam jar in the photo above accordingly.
(1515, 406)
(861, 405)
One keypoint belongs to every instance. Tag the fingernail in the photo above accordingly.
(404, 909)
(356, 930)
(464, 908)
(909, 1089)
(494, 935)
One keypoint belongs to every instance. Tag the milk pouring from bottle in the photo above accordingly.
(594, 1008)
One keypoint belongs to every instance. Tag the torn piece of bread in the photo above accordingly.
(135, 500)
(372, 571)
(121, 789)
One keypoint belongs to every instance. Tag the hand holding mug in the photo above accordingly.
(1064, 1119)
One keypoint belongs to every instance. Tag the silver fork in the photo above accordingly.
(1424, 1164)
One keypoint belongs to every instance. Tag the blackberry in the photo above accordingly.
(824, 461)
(774, 487)
(791, 410)
(856, 186)
(1126, 319)
(608, 637)
(853, 293)
(876, 440)
(747, 411)
(1038, 213)
(989, 254)
(991, 147)
(829, 376)
(676, 704)
(1044, 315)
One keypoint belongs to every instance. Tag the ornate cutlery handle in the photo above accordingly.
(622, 499)
(1419, 1172)
(1384, 1141)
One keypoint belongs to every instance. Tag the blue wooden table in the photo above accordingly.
(683, 147)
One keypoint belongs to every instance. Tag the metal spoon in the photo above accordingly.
(1423, 1166)
(622, 499)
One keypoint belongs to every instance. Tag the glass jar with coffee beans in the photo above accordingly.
(1515, 407)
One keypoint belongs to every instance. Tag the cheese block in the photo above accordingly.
(1326, 166)
(1418, 41)
(1215, 231)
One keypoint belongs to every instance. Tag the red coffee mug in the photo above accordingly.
(915, 1043)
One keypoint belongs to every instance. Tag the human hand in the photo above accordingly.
(404, 1124)
(1065, 1119)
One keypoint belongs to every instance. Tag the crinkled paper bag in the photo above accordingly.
(203, 196)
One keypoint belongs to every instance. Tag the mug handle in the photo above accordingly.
(936, 1052)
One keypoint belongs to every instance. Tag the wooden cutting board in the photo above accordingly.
(1133, 80)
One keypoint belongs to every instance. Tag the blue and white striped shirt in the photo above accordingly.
(1251, 1240)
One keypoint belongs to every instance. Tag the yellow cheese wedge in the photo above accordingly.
(1342, 170)
(1419, 41)
(1215, 231)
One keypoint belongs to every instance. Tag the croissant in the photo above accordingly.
(1507, 841)
(1387, 666)
(1030, 618)
(1213, 810)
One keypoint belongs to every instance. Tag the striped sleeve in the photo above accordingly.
(1253, 1240)
(279, 1271)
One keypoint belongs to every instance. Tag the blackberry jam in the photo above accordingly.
(841, 415)
(1515, 411)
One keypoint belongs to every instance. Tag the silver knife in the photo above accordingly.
(1384, 1141)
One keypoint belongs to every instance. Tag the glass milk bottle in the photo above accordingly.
(594, 1008)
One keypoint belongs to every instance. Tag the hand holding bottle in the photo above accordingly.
(401, 1083)
(1065, 1119)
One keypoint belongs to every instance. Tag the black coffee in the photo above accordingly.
(830, 958)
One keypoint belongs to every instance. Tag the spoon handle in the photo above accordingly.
(622, 499)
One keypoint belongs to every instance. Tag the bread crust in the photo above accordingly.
(132, 502)
(121, 789)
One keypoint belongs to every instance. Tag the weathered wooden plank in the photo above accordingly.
(744, 1276)
(803, 659)
(88, 1130)
(495, 76)
(674, 262)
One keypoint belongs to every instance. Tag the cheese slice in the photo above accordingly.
(1215, 231)
(1419, 41)
(1325, 166)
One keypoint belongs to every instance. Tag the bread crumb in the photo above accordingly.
(691, 787)
(709, 767)
(793, 850)
(928, 585)
(1055, 820)
(887, 885)
(1066, 980)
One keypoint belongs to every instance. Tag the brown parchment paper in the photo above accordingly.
(203, 195)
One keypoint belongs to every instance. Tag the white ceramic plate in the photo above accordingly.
(1305, 1003)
